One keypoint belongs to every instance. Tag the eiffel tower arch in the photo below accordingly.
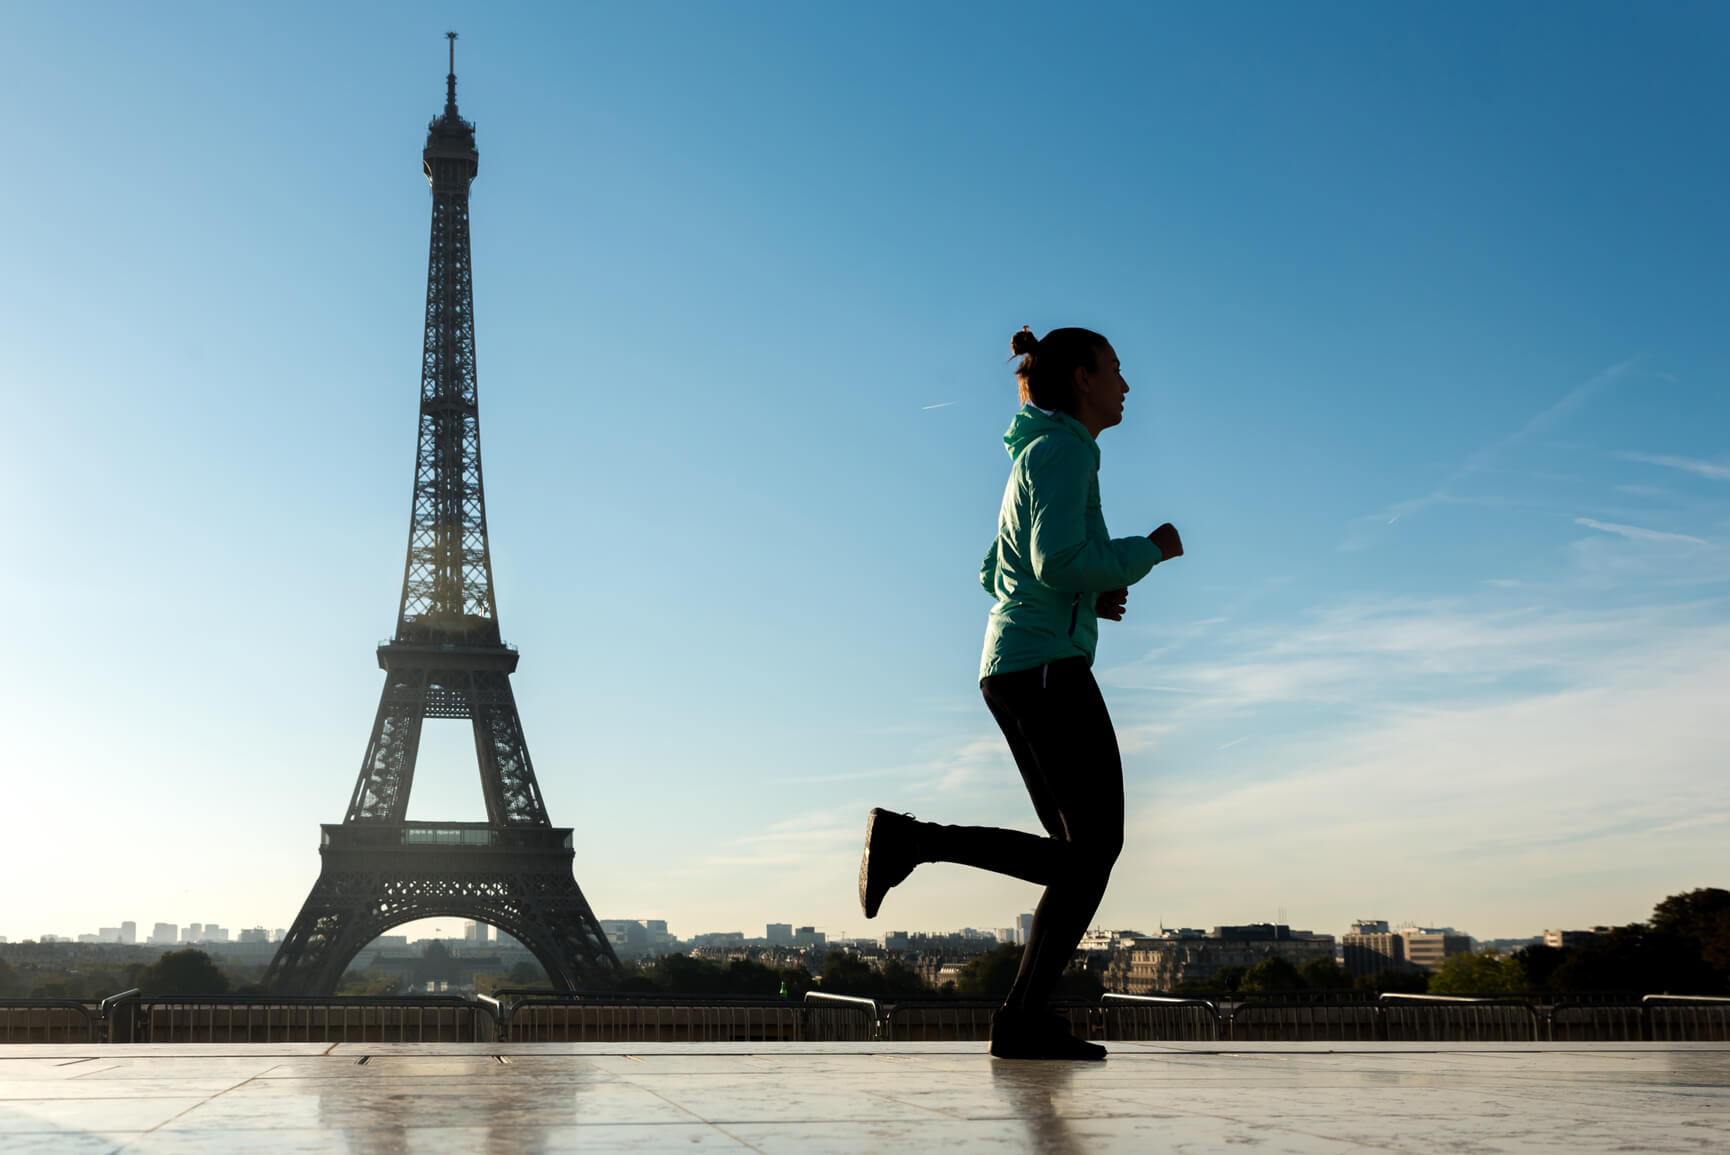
(446, 660)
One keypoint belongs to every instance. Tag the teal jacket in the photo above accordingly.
(1053, 555)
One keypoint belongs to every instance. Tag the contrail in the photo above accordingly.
(939, 405)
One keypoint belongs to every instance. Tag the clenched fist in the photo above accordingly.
(1165, 537)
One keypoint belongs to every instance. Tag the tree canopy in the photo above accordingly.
(183, 972)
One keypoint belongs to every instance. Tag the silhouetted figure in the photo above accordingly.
(1054, 571)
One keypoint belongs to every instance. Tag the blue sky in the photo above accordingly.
(1423, 310)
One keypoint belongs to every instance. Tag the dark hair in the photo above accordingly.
(1048, 364)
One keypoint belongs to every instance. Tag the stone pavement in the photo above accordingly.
(827, 1097)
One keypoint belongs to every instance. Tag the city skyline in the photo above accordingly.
(1421, 312)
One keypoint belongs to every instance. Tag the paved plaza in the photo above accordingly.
(824, 1097)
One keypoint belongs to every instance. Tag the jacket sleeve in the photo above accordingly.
(1060, 472)
(988, 570)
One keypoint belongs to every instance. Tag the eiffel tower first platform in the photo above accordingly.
(446, 660)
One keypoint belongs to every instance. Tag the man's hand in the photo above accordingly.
(1165, 537)
(1109, 605)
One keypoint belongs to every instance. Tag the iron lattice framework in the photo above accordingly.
(446, 660)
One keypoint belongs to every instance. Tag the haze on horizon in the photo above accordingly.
(1423, 311)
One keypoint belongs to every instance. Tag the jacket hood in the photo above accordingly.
(1031, 423)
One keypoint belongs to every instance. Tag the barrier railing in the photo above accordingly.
(1304, 1022)
(543, 1016)
(1150, 1018)
(1596, 1021)
(49, 1021)
(1686, 1018)
(539, 1015)
(969, 1021)
(287, 1019)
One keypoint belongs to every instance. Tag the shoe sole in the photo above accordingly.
(865, 869)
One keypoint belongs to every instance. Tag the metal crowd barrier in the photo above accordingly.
(1596, 1022)
(49, 1021)
(603, 1017)
(540, 1015)
(968, 1021)
(1305, 1022)
(1684, 1018)
(293, 1019)
(1150, 1018)
(1447, 1019)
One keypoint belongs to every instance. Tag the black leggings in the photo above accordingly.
(1066, 750)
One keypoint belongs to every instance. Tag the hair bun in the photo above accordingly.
(1023, 343)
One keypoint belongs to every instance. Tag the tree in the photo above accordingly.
(848, 974)
(526, 974)
(183, 972)
(1272, 973)
(1394, 980)
(1324, 974)
(990, 975)
(1488, 973)
(1701, 915)
(1639, 960)
(901, 981)
(1225, 981)
(11, 982)
(1538, 964)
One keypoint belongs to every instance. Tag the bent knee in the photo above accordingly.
(1099, 854)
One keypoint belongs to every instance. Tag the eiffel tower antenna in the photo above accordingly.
(451, 77)
(446, 660)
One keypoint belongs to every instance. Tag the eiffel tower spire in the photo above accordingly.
(446, 660)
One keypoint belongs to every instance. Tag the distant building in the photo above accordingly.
(639, 938)
(778, 934)
(1370, 947)
(477, 933)
(164, 934)
(895, 940)
(1148, 965)
(1508, 945)
(88, 938)
(107, 934)
(1095, 941)
(809, 936)
(255, 934)
(214, 933)
(1563, 939)
(1023, 927)
(193, 932)
(719, 938)
(129, 933)
(1426, 947)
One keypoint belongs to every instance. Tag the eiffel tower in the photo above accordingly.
(446, 660)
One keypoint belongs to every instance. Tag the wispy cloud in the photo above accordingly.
(1637, 533)
(1692, 465)
(1362, 529)
(1585, 798)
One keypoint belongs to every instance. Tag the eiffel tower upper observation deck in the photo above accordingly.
(446, 660)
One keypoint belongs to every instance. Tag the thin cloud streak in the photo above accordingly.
(1692, 465)
(1478, 461)
(1637, 533)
